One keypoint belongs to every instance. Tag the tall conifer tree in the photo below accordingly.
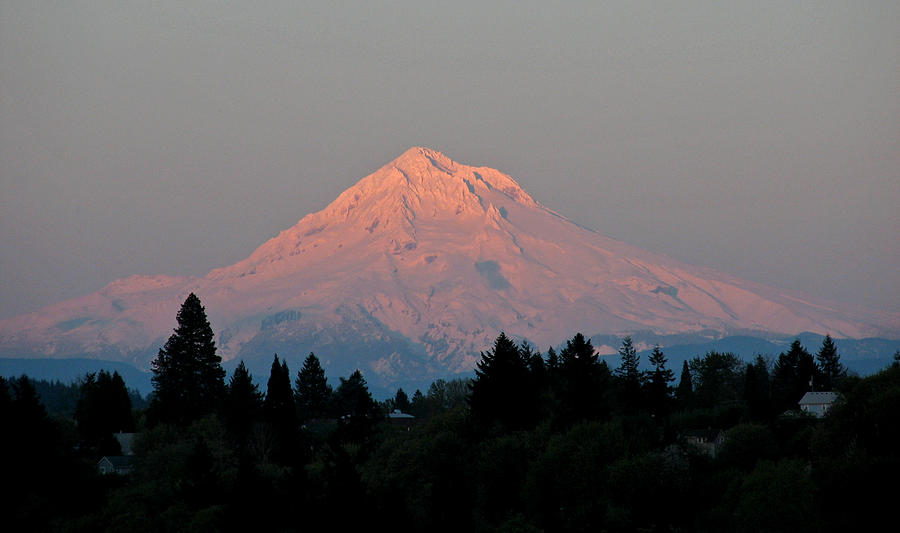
(500, 393)
(629, 377)
(188, 379)
(243, 403)
(658, 393)
(312, 392)
(584, 383)
(685, 391)
(830, 366)
(279, 410)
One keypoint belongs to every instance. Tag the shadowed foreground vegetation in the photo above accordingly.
(534, 442)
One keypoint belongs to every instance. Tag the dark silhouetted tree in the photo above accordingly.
(584, 383)
(242, 407)
(500, 393)
(830, 367)
(757, 393)
(357, 410)
(313, 394)
(401, 401)
(417, 404)
(629, 378)
(552, 360)
(658, 390)
(104, 407)
(188, 379)
(792, 376)
(685, 391)
(719, 379)
(279, 410)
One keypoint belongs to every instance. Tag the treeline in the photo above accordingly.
(533, 442)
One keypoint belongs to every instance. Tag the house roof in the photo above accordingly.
(818, 398)
(117, 461)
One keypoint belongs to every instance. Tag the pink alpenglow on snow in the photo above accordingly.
(428, 257)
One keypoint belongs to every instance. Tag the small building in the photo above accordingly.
(398, 418)
(115, 464)
(817, 403)
(707, 441)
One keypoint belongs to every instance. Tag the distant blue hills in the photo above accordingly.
(861, 356)
(68, 370)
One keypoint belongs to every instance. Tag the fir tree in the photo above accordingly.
(103, 408)
(584, 383)
(358, 411)
(243, 403)
(718, 379)
(401, 401)
(279, 410)
(500, 393)
(313, 394)
(757, 395)
(794, 374)
(830, 367)
(188, 379)
(552, 360)
(353, 398)
(629, 377)
(658, 393)
(685, 391)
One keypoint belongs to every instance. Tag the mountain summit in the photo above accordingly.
(413, 271)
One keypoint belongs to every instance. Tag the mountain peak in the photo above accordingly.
(425, 183)
(418, 157)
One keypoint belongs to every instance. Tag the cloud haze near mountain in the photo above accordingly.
(760, 139)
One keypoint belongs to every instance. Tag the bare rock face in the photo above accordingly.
(413, 271)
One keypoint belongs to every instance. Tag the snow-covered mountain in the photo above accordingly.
(413, 271)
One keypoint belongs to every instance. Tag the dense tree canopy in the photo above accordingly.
(104, 408)
(658, 379)
(584, 383)
(629, 378)
(312, 392)
(832, 371)
(188, 378)
(243, 403)
(501, 392)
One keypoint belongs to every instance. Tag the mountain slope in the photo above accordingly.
(414, 270)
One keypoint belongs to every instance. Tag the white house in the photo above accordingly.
(817, 403)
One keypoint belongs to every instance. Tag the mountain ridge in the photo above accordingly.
(424, 261)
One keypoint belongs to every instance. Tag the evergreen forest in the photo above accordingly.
(555, 441)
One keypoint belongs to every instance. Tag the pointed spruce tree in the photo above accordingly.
(280, 412)
(583, 389)
(359, 413)
(401, 401)
(794, 374)
(103, 408)
(242, 407)
(685, 391)
(629, 378)
(658, 390)
(499, 394)
(313, 394)
(188, 379)
(757, 393)
(831, 369)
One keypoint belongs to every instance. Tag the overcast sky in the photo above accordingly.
(758, 138)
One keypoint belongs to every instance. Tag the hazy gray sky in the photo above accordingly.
(758, 138)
